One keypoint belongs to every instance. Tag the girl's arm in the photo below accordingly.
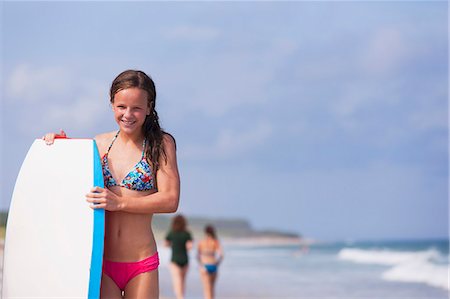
(189, 245)
(168, 239)
(199, 252)
(165, 200)
(219, 252)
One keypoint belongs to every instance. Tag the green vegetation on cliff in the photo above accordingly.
(3, 218)
(226, 228)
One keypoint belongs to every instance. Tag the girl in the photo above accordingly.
(210, 255)
(141, 178)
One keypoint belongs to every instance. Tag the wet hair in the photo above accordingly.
(209, 230)
(179, 223)
(151, 129)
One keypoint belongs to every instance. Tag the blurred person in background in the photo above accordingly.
(180, 241)
(210, 255)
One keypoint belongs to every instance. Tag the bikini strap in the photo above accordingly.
(114, 139)
(143, 148)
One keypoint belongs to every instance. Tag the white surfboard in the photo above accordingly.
(54, 240)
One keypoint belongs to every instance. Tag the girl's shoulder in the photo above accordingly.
(209, 244)
(186, 234)
(103, 140)
(169, 141)
(105, 136)
(215, 243)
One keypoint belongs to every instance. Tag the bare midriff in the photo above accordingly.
(128, 236)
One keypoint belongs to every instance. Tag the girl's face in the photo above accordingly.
(130, 108)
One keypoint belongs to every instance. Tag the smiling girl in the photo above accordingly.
(141, 178)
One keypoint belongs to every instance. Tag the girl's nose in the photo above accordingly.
(127, 112)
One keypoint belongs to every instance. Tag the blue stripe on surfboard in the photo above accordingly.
(98, 235)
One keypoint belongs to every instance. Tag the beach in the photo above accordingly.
(394, 269)
(333, 270)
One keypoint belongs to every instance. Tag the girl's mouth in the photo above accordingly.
(128, 122)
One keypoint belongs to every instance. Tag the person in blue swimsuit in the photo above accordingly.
(210, 255)
(141, 178)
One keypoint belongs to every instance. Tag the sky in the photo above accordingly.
(329, 119)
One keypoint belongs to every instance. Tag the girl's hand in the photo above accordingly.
(102, 198)
(50, 137)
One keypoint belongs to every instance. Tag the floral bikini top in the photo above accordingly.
(140, 178)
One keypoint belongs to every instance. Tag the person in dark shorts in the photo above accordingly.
(180, 241)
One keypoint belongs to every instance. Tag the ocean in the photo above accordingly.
(394, 269)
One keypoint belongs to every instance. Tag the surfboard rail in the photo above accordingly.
(98, 232)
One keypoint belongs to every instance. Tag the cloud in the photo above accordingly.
(231, 78)
(229, 143)
(82, 113)
(386, 50)
(29, 84)
(52, 98)
(227, 82)
(379, 91)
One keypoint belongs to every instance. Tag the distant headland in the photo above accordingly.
(235, 230)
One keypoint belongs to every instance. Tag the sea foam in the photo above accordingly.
(407, 266)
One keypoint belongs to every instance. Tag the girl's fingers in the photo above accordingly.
(96, 193)
(93, 195)
(97, 189)
(49, 138)
(95, 200)
(97, 206)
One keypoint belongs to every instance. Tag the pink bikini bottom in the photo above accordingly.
(121, 273)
